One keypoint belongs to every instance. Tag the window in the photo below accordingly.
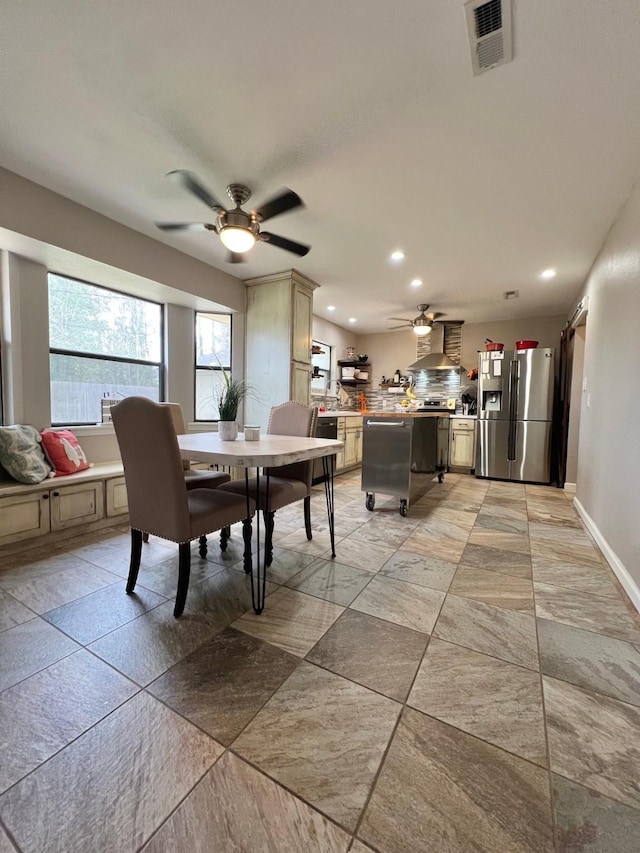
(213, 354)
(102, 344)
(321, 363)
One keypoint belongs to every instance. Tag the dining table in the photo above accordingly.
(267, 452)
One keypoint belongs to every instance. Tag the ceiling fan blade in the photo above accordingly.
(283, 243)
(433, 315)
(403, 326)
(279, 204)
(402, 319)
(191, 183)
(185, 226)
(236, 258)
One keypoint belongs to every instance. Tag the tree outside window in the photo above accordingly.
(103, 343)
(212, 356)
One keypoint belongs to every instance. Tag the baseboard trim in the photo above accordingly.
(570, 487)
(628, 583)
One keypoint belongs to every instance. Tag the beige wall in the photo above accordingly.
(545, 330)
(575, 405)
(390, 350)
(52, 222)
(336, 337)
(608, 474)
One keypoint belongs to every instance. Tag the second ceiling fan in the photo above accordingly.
(238, 230)
(421, 324)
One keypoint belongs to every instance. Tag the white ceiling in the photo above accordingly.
(369, 110)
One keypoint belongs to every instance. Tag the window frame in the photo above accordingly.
(161, 365)
(228, 368)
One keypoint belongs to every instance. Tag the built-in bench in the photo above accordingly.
(57, 508)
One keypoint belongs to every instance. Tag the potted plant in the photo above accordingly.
(228, 397)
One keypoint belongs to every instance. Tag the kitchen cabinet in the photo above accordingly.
(86, 499)
(462, 443)
(278, 342)
(44, 510)
(349, 431)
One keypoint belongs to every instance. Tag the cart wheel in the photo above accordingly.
(403, 508)
(441, 477)
(370, 502)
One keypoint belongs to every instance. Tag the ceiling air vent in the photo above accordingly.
(489, 26)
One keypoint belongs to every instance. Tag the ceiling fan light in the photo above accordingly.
(237, 239)
(421, 331)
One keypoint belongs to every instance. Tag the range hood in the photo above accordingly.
(436, 359)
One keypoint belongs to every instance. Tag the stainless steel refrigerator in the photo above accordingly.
(515, 409)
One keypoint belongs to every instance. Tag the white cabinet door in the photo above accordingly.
(350, 448)
(116, 497)
(81, 504)
(300, 383)
(340, 463)
(24, 517)
(462, 447)
(301, 323)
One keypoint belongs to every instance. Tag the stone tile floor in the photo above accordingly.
(463, 679)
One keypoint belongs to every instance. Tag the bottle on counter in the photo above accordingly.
(396, 377)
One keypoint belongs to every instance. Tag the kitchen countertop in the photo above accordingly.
(403, 414)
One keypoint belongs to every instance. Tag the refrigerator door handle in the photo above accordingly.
(513, 409)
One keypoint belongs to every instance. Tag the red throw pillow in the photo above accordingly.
(63, 451)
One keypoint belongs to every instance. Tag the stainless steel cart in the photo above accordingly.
(399, 456)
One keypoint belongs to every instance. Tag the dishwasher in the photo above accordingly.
(399, 457)
(325, 428)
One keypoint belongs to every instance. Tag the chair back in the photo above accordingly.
(293, 419)
(156, 490)
(179, 426)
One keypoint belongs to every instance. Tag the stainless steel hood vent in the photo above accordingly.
(436, 359)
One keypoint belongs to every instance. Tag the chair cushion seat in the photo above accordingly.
(228, 509)
(282, 492)
(205, 479)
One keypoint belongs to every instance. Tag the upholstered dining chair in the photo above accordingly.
(287, 483)
(193, 478)
(159, 501)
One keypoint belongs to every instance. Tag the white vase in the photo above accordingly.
(228, 430)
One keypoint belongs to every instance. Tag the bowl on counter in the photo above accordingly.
(362, 374)
(526, 345)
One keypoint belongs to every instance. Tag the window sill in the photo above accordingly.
(89, 429)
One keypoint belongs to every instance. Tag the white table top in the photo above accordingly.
(269, 450)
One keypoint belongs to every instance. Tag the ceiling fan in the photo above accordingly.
(421, 324)
(239, 231)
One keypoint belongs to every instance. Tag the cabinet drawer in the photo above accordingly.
(460, 424)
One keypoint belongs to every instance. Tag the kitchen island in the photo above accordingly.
(400, 455)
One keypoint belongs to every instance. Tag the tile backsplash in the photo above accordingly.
(429, 384)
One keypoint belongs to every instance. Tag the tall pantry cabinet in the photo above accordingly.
(278, 342)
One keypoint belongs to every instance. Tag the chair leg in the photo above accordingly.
(307, 517)
(203, 546)
(145, 537)
(246, 536)
(184, 571)
(224, 538)
(134, 563)
(269, 524)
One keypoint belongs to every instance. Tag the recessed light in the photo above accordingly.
(416, 282)
(397, 255)
(547, 274)
(352, 319)
(331, 307)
